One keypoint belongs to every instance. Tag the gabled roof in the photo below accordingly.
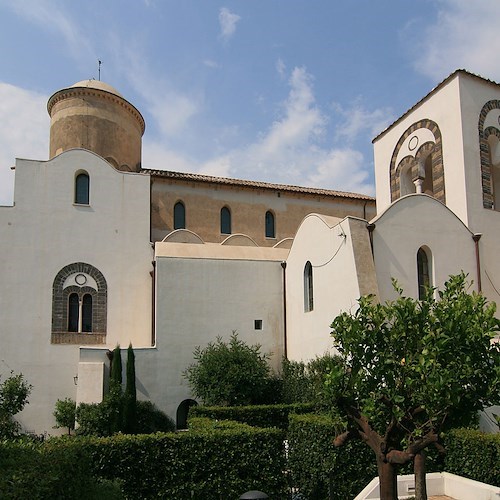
(182, 176)
(432, 92)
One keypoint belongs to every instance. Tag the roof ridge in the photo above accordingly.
(255, 184)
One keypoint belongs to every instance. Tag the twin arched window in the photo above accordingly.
(179, 215)
(82, 189)
(308, 288)
(80, 313)
(225, 221)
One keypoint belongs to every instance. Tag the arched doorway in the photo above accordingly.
(182, 413)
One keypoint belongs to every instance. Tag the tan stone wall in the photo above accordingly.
(248, 206)
(98, 121)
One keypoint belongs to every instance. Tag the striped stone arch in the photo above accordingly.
(434, 149)
(94, 284)
(484, 151)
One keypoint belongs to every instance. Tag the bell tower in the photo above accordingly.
(93, 115)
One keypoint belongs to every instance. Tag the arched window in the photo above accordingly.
(179, 216)
(423, 272)
(82, 189)
(308, 288)
(225, 221)
(87, 313)
(73, 312)
(79, 305)
(270, 231)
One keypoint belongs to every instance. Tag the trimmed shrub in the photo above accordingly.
(151, 419)
(213, 462)
(256, 415)
(50, 470)
(473, 454)
(319, 470)
(64, 413)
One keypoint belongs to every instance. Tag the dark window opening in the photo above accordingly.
(308, 288)
(73, 312)
(270, 232)
(87, 313)
(424, 281)
(225, 221)
(179, 216)
(82, 189)
(258, 324)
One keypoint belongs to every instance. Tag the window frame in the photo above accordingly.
(225, 220)
(82, 192)
(308, 287)
(179, 213)
(270, 225)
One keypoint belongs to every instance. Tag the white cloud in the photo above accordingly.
(52, 18)
(209, 63)
(357, 120)
(462, 36)
(24, 132)
(227, 21)
(280, 67)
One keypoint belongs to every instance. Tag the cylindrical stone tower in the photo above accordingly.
(93, 115)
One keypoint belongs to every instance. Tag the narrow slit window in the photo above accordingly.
(308, 288)
(424, 280)
(73, 312)
(82, 189)
(270, 231)
(225, 221)
(87, 313)
(179, 215)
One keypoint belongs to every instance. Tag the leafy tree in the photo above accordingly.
(413, 368)
(130, 396)
(64, 413)
(14, 392)
(229, 373)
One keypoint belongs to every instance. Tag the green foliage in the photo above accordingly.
(305, 382)
(255, 415)
(473, 454)
(229, 373)
(130, 396)
(316, 466)
(210, 463)
(116, 369)
(14, 392)
(95, 419)
(50, 470)
(65, 413)
(414, 367)
(150, 419)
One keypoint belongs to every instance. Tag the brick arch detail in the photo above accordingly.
(484, 152)
(437, 159)
(60, 297)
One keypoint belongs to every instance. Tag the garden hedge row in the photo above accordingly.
(47, 470)
(473, 454)
(319, 470)
(256, 415)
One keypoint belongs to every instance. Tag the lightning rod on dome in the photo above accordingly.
(99, 68)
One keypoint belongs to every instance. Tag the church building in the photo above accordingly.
(98, 250)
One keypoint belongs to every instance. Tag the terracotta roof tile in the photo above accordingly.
(182, 176)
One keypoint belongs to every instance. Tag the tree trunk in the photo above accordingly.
(388, 480)
(419, 471)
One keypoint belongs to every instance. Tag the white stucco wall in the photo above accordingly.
(410, 223)
(43, 232)
(339, 252)
(205, 291)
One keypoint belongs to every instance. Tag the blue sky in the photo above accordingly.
(286, 91)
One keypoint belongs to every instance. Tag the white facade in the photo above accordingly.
(438, 192)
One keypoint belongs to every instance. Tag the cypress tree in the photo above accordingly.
(115, 396)
(130, 401)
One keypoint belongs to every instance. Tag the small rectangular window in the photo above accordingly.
(258, 324)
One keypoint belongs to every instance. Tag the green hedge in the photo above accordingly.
(473, 454)
(319, 470)
(256, 415)
(41, 471)
(210, 462)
